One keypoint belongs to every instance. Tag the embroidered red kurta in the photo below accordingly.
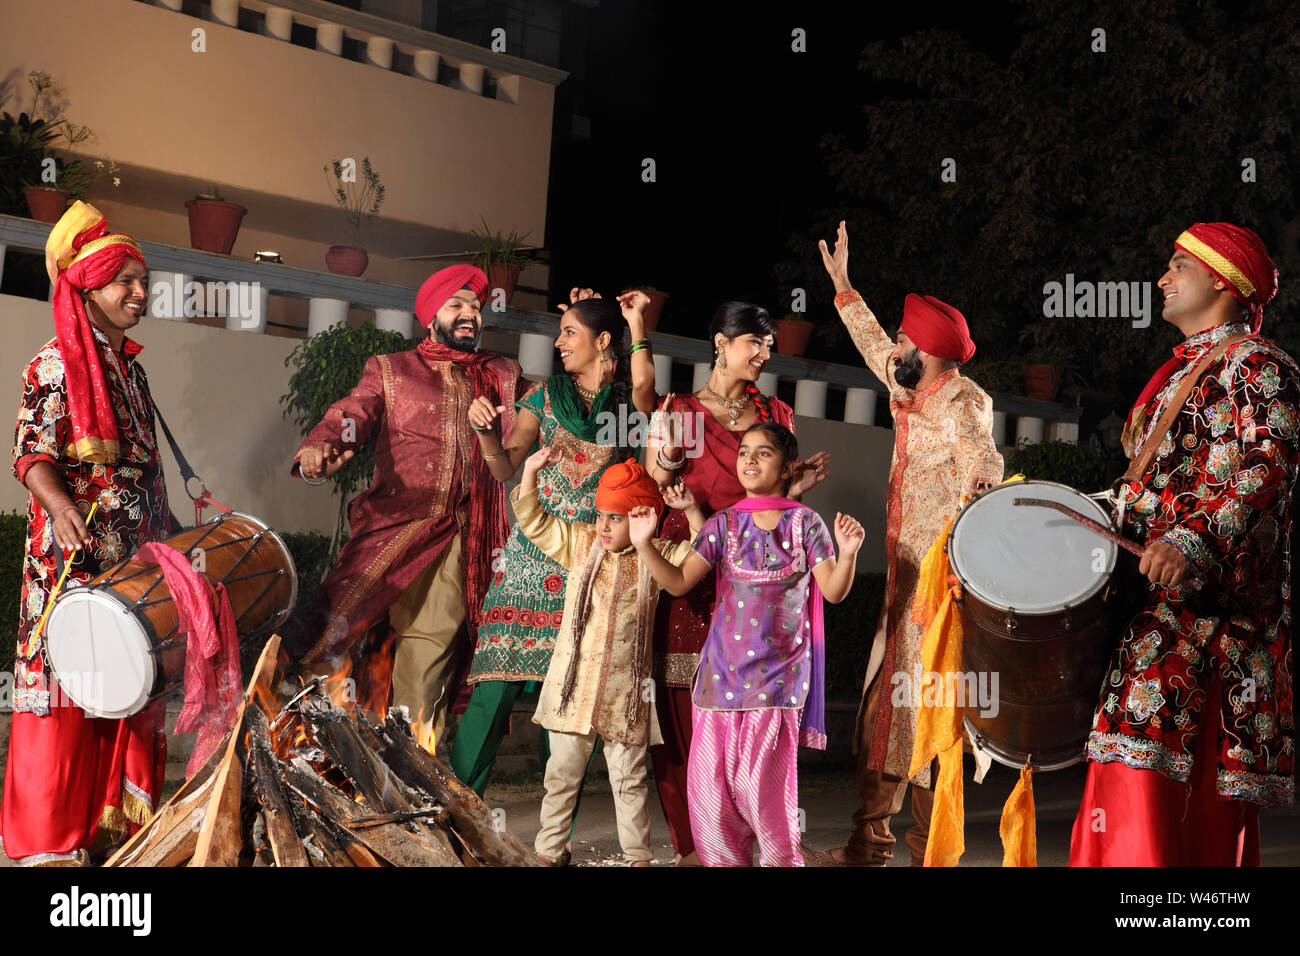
(414, 407)
(943, 442)
(132, 494)
(72, 780)
(1218, 490)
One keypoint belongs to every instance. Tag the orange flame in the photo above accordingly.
(340, 688)
(423, 732)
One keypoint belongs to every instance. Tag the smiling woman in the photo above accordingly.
(524, 608)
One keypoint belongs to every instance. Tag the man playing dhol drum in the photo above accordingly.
(427, 529)
(943, 449)
(1194, 730)
(74, 783)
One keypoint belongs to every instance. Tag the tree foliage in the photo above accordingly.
(1067, 161)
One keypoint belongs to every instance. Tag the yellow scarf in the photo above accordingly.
(939, 726)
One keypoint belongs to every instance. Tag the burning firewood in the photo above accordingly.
(309, 783)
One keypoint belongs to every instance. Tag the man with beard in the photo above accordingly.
(425, 531)
(1194, 729)
(943, 449)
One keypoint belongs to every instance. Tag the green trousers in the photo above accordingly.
(484, 724)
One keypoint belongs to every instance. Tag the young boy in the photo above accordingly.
(598, 683)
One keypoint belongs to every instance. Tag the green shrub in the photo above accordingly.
(1068, 463)
(850, 626)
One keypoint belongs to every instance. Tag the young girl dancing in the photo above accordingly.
(757, 693)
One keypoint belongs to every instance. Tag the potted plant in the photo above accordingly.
(30, 165)
(656, 307)
(360, 201)
(793, 333)
(214, 222)
(501, 257)
(1048, 359)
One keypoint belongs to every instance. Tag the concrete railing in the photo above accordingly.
(469, 66)
(238, 291)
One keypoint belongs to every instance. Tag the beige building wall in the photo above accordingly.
(259, 118)
(220, 392)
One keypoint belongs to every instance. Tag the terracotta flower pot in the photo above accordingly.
(504, 277)
(45, 202)
(1042, 382)
(346, 260)
(214, 224)
(792, 335)
(655, 309)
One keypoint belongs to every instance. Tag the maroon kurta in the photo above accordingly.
(414, 405)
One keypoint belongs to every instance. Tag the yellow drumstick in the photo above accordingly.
(40, 628)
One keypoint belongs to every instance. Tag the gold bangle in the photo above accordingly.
(495, 454)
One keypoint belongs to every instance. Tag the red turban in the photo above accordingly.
(442, 285)
(624, 486)
(1238, 257)
(937, 328)
(80, 255)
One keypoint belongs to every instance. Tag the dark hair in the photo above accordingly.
(744, 318)
(741, 318)
(782, 439)
(604, 315)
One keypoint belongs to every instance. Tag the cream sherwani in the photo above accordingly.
(612, 696)
(942, 443)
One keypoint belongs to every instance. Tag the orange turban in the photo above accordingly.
(1239, 258)
(624, 486)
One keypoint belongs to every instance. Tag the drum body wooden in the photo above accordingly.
(1037, 610)
(114, 643)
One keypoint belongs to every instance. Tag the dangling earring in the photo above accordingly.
(720, 359)
(604, 357)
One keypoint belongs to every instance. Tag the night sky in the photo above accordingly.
(733, 119)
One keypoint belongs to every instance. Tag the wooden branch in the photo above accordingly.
(286, 846)
(470, 816)
(220, 840)
(388, 841)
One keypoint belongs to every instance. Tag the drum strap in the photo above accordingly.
(1146, 452)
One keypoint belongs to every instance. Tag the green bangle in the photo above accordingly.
(481, 431)
(643, 345)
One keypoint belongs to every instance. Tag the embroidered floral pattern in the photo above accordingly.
(1222, 501)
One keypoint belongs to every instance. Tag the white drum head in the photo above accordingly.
(100, 653)
(1030, 558)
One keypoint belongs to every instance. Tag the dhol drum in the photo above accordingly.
(1038, 615)
(113, 643)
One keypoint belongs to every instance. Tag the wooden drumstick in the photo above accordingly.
(1097, 526)
(1193, 582)
(40, 628)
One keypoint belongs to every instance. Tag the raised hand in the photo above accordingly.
(836, 260)
(546, 455)
(633, 303)
(678, 495)
(482, 413)
(641, 522)
(848, 534)
(323, 460)
(809, 473)
(577, 294)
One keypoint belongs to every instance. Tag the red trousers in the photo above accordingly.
(73, 781)
(673, 707)
(1131, 817)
